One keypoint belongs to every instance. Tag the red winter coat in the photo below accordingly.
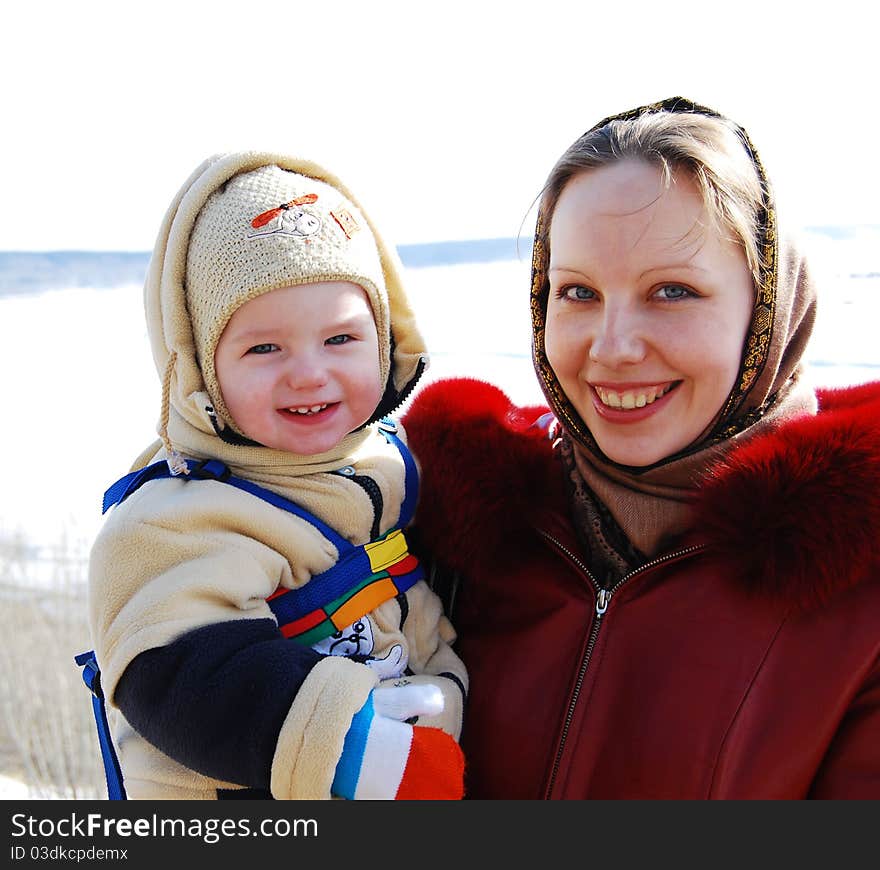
(745, 663)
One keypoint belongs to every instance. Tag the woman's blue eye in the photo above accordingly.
(339, 339)
(577, 292)
(263, 348)
(674, 291)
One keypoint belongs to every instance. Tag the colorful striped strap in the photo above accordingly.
(358, 583)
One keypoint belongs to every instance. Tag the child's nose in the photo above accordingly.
(306, 372)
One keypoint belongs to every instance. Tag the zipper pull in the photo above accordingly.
(602, 600)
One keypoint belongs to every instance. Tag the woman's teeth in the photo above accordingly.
(312, 409)
(629, 399)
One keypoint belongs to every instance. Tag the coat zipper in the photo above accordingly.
(407, 388)
(603, 597)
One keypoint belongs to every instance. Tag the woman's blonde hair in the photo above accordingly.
(714, 152)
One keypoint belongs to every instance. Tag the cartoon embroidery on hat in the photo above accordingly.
(288, 219)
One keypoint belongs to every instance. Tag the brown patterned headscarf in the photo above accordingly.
(624, 514)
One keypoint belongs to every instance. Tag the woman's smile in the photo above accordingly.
(632, 404)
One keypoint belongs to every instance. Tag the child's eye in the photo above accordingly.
(263, 348)
(674, 291)
(339, 339)
(576, 293)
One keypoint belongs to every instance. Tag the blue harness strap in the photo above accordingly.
(91, 675)
(388, 428)
(213, 469)
(362, 575)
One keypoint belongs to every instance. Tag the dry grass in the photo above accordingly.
(47, 732)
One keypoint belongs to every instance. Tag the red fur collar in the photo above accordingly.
(484, 466)
(797, 511)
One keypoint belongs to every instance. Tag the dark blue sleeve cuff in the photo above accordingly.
(215, 699)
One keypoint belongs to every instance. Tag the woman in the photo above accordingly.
(668, 586)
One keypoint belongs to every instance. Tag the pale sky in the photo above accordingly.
(443, 118)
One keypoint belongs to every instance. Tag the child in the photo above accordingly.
(243, 652)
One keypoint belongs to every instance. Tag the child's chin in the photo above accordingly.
(309, 446)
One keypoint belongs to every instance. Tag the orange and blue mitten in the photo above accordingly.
(384, 758)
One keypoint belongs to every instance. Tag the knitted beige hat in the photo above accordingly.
(272, 228)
